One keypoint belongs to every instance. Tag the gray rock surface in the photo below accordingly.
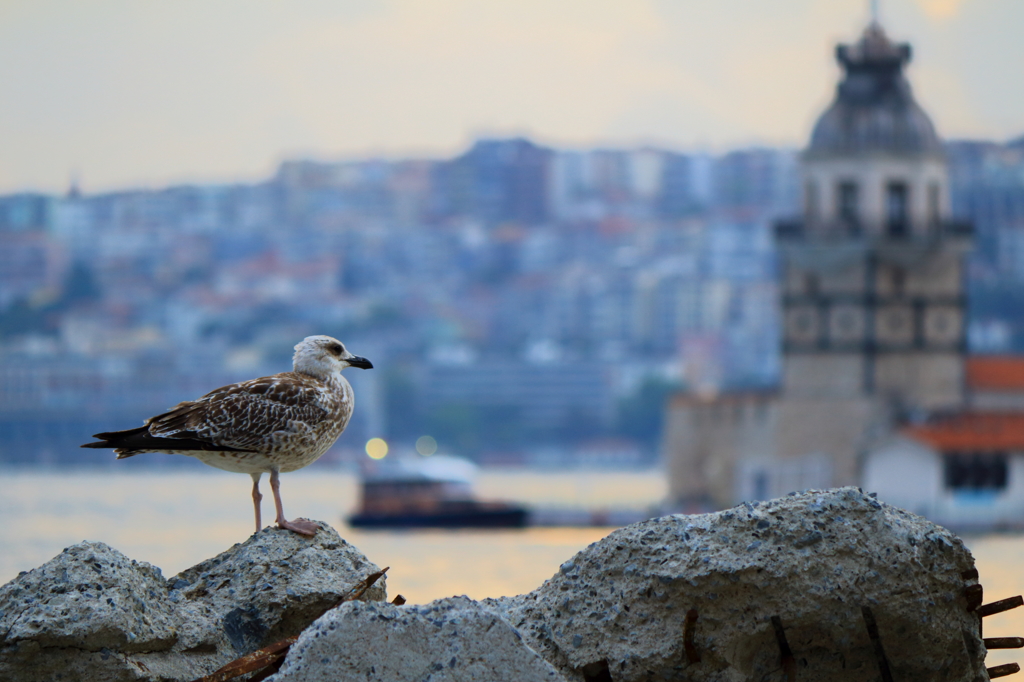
(93, 614)
(449, 640)
(618, 609)
(829, 585)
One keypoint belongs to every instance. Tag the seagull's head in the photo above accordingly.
(321, 356)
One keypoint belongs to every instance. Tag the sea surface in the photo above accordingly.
(174, 519)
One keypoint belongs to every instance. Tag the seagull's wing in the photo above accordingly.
(245, 416)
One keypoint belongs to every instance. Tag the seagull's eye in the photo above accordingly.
(335, 349)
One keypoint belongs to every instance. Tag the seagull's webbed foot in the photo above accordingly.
(300, 526)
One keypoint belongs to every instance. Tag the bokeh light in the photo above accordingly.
(377, 448)
(426, 445)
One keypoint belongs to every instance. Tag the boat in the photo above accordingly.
(429, 492)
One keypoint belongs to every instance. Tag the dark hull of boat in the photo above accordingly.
(515, 517)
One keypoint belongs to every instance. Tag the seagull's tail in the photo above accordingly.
(136, 441)
(124, 443)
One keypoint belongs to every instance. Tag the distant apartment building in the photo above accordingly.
(25, 212)
(31, 267)
(496, 181)
(987, 184)
(537, 396)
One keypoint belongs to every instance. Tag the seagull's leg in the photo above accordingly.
(300, 526)
(256, 499)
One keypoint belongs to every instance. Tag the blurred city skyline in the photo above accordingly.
(114, 96)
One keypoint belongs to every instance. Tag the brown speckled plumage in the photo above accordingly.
(286, 420)
(273, 424)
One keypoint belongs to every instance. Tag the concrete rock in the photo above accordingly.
(93, 614)
(711, 597)
(89, 597)
(270, 587)
(451, 639)
(618, 609)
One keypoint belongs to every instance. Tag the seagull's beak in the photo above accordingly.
(361, 363)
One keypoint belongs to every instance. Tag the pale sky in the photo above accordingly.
(126, 93)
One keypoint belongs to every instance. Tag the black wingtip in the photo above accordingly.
(111, 435)
(117, 439)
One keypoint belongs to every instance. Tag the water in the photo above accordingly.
(175, 519)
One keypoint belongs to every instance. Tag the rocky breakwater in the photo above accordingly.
(826, 586)
(821, 586)
(829, 586)
(93, 614)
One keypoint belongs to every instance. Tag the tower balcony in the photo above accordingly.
(799, 231)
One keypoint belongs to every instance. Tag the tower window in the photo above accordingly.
(933, 204)
(898, 281)
(897, 221)
(812, 284)
(849, 209)
(975, 471)
(811, 200)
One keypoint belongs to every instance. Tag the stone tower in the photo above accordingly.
(873, 288)
(872, 297)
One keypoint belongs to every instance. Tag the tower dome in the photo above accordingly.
(874, 110)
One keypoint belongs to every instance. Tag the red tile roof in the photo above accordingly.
(972, 432)
(995, 372)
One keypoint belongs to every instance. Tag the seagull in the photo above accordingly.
(272, 424)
